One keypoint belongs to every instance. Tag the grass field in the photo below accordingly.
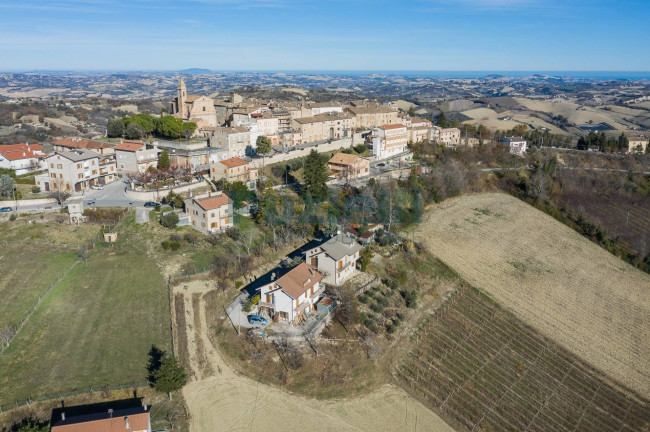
(563, 285)
(488, 371)
(26, 272)
(95, 327)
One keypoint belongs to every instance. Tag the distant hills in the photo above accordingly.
(195, 71)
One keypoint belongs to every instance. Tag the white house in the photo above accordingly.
(336, 258)
(389, 140)
(517, 144)
(293, 296)
(22, 158)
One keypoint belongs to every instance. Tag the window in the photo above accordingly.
(51, 165)
(59, 166)
(78, 166)
(203, 108)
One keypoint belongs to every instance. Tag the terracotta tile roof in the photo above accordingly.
(213, 202)
(371, 109)
(392, 126)
(299, 280)
(191, 98)
(12, 147)
(233, 162)
(323, 118)
(130, 146)
(74, 142)
(343, 159)
(21, 151)
(138, 420)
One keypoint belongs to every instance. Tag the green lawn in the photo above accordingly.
(26, 272)
(95, 328)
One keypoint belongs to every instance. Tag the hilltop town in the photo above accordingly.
(254, 249)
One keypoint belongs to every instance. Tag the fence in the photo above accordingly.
(367, 286)
(31, 310)
(30, 401)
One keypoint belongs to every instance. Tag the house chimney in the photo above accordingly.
(110, 412)
(126, 421)
(146, 407)
(62, 415)
(273, 276)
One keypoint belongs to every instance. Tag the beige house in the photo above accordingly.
(336, 258)
(74, 143)
(389, 140)
(419, 129)
(268, 124)
(373, 115)
(232, 170)
(210, 213)
(635, 142)
(70, 171)
(196, 108)
(135, 156)
(236, 140)
(348, 166)
(324, 126)
(449, 136)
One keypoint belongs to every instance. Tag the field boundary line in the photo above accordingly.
(35, 306)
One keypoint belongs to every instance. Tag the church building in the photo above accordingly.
(195, 108)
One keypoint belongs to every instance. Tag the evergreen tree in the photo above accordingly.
(170, 376)
(134, 131)
(442, 120)
(315, 176)
(115, 128)
(163, 160)
(623, 142)
(263, 147)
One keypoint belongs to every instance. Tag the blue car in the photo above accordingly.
(256, 319)
(5, 209)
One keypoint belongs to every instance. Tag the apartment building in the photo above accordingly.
(637, 144)
(235, 140)
(348, 166)
(389, 140)
(293, 296)
(210, 213)
(234, 169)
(22, 158)
(324, 127)
(449, 136)
(267, 123)
(70, 171)
(372, 115)
(517, 145)
(419, 128)
(135, 156)
(74, 143)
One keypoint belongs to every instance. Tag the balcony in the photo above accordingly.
(318, 293)
(266, 304)
(301, 307)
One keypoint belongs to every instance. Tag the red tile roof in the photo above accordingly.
(137, 421)
(21, 151)
(299, 280)
(130, 146)
(213, 202)
(233, 162)
(392, 126)
(73, 142)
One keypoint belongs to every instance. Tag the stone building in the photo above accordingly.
(195, 108)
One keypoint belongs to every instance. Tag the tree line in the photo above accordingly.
(144, 125)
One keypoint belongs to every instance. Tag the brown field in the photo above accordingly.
(480, 365)
(565, 286)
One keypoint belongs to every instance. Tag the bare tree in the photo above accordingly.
(59, 192)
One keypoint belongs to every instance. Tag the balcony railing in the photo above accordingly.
(301, 306)
(320, 291)
(266, 304)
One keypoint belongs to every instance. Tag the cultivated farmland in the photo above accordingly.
(555, 280)
(483, 367)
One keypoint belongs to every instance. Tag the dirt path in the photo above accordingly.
(220, 400)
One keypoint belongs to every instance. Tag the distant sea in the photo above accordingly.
(613, 75)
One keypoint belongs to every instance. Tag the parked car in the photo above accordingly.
(257, 319)
(5, 209)
(381, 164)
(151, 204)
(97, 187)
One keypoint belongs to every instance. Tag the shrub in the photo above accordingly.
(392, 284)
(36, 189)
(175, 237)
(238, 284)
(410, 297)
(12, 217)
(377, 307)
(390, 328)
(383, 301)
(399, 316)
(169, 220)
(165, 244)
(174, 245)
(364, 299)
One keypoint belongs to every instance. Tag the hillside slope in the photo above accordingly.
(567, 287)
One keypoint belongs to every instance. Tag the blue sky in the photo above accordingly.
(535, 35)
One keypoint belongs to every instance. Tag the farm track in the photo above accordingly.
(483, 367)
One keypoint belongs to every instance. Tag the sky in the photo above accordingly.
(325, 35)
